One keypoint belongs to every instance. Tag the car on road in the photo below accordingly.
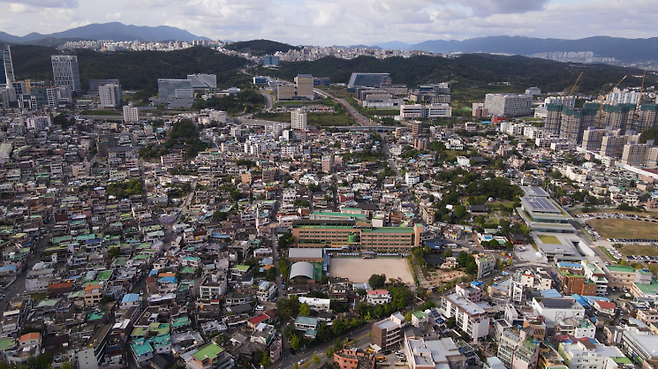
(302, 361)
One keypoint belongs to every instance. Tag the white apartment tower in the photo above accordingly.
(298, 119)
(66, 72)
(130, 114)
(110, 96)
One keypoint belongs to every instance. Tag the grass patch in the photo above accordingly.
(608, 254)
(645, 250)
(624, 228)
(38, 296)
(550, 240)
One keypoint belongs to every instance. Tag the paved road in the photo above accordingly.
(289, 361)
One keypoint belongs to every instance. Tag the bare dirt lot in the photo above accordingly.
(624, 228)
(359, 270)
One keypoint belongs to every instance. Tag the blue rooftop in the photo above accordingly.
(129, 297)
(552, 293)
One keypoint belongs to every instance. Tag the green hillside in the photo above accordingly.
(260, 47)
(473, 72)
(136, 70)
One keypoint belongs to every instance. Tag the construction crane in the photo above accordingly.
(575, 84)
(603, 97)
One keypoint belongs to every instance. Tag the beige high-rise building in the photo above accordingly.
(298, 119)
(305, 86)
(285, 92)
(633, 154)
(613, 146)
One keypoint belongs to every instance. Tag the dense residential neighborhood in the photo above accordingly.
(192, 231)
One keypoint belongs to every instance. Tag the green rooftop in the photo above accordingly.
(141, 347)
(95, 316)
(105, 275)
(241, 267)
(6, 344)
(621, 269)
(209, 351)
(648, 289)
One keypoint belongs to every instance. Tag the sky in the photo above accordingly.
(345, 22)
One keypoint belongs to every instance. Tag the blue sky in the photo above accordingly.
(345, 22)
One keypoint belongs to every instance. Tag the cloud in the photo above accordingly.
(67, 4)
(486, 7)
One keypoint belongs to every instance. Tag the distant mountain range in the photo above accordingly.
(108, 31)
(623, 49)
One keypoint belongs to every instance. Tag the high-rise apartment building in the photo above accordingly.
(298, 119)
(110, 96)
(508, 105)
(130, 113)
(66, 72)
(613, 145)
(304, 84)
(592, 139)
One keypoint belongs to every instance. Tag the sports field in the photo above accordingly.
(624, 228)
(360, 270)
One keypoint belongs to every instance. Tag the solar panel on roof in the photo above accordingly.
(557, 303)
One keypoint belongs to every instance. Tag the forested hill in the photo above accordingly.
(136, 70)
(260, 47)
(473, 70)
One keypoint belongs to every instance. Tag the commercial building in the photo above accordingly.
(620, 276)
(350, 358)
(369, 80)
(298, 119)
(270, 61)
(109, 96)
(416, 111)
(66, 72)
(485, 265)
(94, 84)
(508, 105)
(469, 316)
(304, 84)
(202, 81)
(175, 88)
(388, 332)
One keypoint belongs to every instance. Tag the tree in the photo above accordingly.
(304, 309)
(447, 253)
(294, 341)
(460, 211)
(113, 252)
(329, 353)
(377, 281)
(265, 359)
(316, 360)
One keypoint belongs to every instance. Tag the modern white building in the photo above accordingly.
(130, 113)
(378, 297)
(317, 304)
(425, 111)
(411, 178)
(558, 308)
(508, 105)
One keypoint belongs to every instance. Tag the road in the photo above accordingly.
(360, 334)
(268, 99)
(358, 117)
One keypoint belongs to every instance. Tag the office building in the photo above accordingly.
(202, 81)
(388, 333)
(469, 316)
(109, 95)
(298, 119)
(8, 65)
(175, 88)
(508, 105)
(369, 80)
(94, 84)
(304, 84)
(130, 113)
(66, 72)
(285, 92)
(542, 214)
(270, 61)
(425, 111)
